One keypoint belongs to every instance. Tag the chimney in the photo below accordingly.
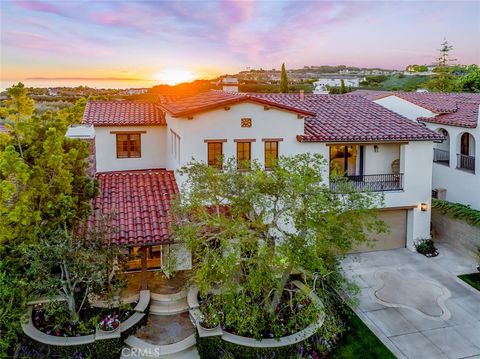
(302, 95)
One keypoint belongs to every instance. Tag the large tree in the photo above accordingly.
(252, 230)
(283, 80)
(444, 80)
(43, 185)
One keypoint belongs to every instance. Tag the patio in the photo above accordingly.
(416, 305)
(156, 282)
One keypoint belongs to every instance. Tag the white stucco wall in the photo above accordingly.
(416, 160)
(462, 186)
(225, 125)
(404, 108)
(153, 153)
(380, 162)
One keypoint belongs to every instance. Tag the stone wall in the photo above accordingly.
(456, 232)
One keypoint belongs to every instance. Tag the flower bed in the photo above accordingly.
(294, 337)
(71, 344)
(53, 323)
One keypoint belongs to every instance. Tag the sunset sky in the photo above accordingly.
(146, 40)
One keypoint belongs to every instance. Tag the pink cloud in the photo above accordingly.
(36, 42)
(43, 6)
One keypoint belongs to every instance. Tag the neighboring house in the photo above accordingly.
(138, 147)
(230, 84)
(336, 80)
(456, 169)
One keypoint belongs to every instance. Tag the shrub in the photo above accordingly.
(426, 247)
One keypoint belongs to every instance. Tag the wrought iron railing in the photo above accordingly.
(465, 162)
(441, 156)
(371, 183)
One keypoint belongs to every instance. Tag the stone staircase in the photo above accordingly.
(168, 333)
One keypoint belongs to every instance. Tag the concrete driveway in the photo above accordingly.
(416, 305)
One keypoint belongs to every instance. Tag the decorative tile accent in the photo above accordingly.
(246, 122)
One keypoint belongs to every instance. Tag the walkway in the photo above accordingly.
(416, 305)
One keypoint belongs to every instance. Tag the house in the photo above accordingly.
(336, 80)
(230, 84)
(456, 161)
(138, 147)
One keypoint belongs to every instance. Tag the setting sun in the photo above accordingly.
(173, 77)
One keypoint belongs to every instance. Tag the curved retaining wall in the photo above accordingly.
(31, 331)
(289, 340)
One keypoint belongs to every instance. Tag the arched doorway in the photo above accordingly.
(466, 155)
(441, 152)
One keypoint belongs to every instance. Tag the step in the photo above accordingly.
(190, 353)
(168, 297)
(183, 349)
(169, 308)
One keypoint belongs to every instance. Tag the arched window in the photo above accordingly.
(441, 152)
(466, 157)
(465, 144)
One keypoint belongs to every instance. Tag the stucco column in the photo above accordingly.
(144, 268)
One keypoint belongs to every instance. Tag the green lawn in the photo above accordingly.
(360, 342)
(472, 279)
(406, 83)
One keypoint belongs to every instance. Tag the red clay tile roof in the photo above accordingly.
(466, 115)
(453, 108)
(371, 95)
(213, 99)
(140, 204)
(341, 118)
(123, 113)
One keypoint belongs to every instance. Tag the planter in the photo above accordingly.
(108, 331)
(218, 338)
(209, 329)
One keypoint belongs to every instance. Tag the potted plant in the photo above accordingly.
(109, 324)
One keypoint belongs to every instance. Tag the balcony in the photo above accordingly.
(370, 183)
(466, 163)
(441, 156)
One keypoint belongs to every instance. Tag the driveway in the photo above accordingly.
(416, 305)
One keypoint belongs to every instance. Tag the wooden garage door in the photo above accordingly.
(396, 220)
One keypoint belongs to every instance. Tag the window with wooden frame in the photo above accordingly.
(215, 154)
(244, 155)
(271, 154)
(129, 145)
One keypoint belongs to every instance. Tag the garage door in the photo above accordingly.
(396, 220)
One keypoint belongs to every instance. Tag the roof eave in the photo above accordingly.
(235, 101)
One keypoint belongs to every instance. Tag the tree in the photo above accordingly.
(250, 231)
(444, 81)
(342, 87)
(43, 185)
(283, 80)
(470, 81)
(73, 266)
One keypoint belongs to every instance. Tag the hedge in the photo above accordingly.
(214, 347)
(458, 210)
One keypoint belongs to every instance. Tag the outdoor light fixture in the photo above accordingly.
(375, 148)
(423, 207)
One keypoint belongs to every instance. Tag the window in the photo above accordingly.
(271, 153)
(215, 154)
(346, 160)
(175, 145)
(128, 145)
(243, 155)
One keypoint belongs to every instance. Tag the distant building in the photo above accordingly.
(230, 84)
(336, 81)
(134, 91)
